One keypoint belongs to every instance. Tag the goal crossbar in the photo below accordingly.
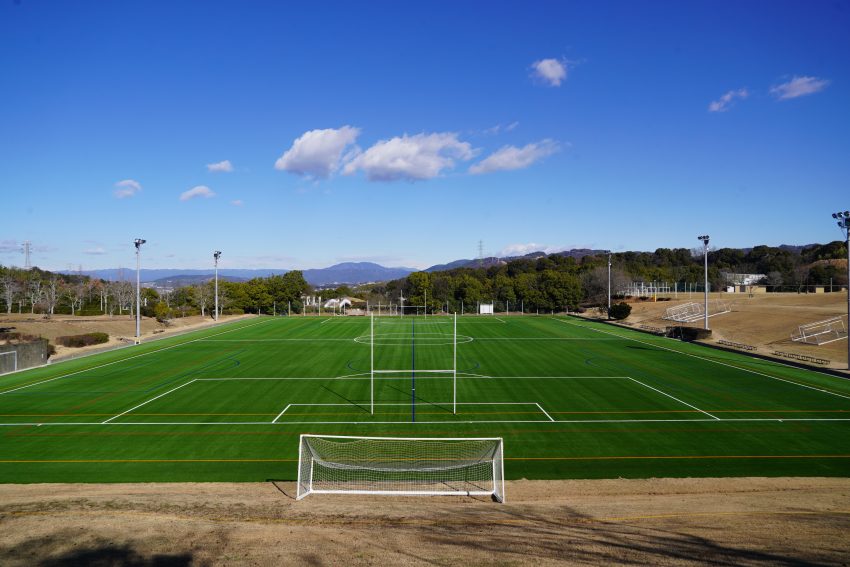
(407, 466)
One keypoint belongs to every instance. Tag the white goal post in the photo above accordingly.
(448, 371)
(402, 466)
(820, 332)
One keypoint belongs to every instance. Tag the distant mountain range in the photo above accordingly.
(351, 273)
(345, 273)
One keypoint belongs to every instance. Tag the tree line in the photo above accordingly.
(553, 282)
(39, 291)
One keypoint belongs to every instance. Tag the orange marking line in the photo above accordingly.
(12, 461)
(678, 457)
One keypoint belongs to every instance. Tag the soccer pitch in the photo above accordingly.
(571, 398)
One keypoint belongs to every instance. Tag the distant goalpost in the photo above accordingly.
(8, 361)
(820, 332)
(373, 371)
(404, 466)
(693, 311)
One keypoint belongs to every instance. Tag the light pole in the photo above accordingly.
(216, 255)
(704, 240)
(844, 224)
(609, 284)
(138, 243)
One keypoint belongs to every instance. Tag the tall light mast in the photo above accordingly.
(138, 243)
(704, 240)
(216, 255)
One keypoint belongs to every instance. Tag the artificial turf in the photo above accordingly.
(571, 398)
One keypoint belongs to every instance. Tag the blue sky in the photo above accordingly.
(405, 133)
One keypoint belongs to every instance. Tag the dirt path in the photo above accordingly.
(750, 521)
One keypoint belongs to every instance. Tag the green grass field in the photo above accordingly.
(572, 399)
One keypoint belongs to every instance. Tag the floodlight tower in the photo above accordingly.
(609, 284)
(138, 243)
(844, 224)
(216, 255)
(704, 240)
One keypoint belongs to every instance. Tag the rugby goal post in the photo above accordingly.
(401, 466)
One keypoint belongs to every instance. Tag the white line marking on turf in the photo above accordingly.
(500, 320)
(544, 411)
(148, 401)
(673, 398)
(717, 361)
(406, 376)
(538, 421)
(126, 359)
(281, 413)
(326, 320)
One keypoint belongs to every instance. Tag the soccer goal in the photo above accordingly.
(8, 361)
(397, 339)
(403, 466)
(693, 311)
(820, 332)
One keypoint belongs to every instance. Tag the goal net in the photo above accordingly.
(332, 464)
(820, 332)
(692, 311)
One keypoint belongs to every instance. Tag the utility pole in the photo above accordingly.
(138, 244)
(704, 240)
(216, 255)
(844, 224)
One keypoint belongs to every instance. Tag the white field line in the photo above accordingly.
(148, 401)
(126, 359)
(326, 320)
(545, 412)
(365, 376)
(428, 404)
(538, 421)
(673, 398)
(500, 320)
(594, 339)
(281, 413)
(281, 340)
(717, 361)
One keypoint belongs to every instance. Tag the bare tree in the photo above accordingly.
(10, 289)
(35, 292)
(202, 296)
(123, 293)
(51, 294)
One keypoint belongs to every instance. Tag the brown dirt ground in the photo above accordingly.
(763, 320)
(743, 521)
(120, 328)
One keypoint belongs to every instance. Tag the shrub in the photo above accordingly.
(620, 311)
(86, 339)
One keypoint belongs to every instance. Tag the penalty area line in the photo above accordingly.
(148, 401)
(674, 398)
(281, 413)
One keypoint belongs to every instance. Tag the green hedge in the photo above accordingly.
(86, 339)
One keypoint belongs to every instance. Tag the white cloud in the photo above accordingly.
(423, 156)
(199, 191)
(220, 167)
(237, 203)
(511, 157)
(551, 71)
(494, 130)
(96, 251)
(724, 102)
(521, 249)
(317, 152)
(127, 188)
(799, 86)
